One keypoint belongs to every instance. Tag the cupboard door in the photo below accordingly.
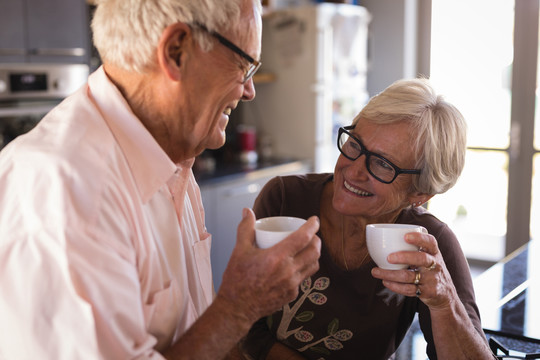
(58, 31)
(223, 206)
(12, 30)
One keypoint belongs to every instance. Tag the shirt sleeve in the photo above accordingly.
(88, 306)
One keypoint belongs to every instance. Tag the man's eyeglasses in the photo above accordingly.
(380, 168)
(254, 65)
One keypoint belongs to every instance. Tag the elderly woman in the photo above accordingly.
(404, 147)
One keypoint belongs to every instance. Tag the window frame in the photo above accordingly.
(523, 89)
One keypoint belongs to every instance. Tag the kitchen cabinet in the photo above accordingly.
(52, 31)
(223, 203)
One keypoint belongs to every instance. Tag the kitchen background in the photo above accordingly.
(321, 63)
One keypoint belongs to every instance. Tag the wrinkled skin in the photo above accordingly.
(263, 280)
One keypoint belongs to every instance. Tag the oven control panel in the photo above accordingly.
(40, 81)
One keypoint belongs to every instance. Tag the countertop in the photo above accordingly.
(508, 293)
(221, 172)
(508, 296)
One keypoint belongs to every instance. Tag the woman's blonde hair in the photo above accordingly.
(126, 32)
(437, 127)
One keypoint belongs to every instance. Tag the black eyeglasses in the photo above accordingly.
(380, 168)
(254, 65)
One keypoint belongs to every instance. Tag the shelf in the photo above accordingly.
(264, 78)
(36, 110)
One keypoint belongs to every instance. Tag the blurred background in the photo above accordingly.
(321, 62)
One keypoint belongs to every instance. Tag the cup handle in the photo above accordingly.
(424, 230)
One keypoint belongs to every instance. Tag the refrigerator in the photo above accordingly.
(318, 57)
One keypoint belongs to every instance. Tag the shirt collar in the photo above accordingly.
(150, 165)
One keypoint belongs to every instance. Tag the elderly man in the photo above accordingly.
(103, 249)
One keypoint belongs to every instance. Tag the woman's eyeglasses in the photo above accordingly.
(380, 168)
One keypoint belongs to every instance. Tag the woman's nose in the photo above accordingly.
(359, 167)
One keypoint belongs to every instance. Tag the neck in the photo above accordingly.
(344, 236)
(134, 87)
(145, 96)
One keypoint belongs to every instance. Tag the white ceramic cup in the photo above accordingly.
(384, 239)
(271, 230)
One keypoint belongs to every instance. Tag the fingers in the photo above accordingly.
(432, 266)
(260, 281)
(301, 238)
(417, 277)
(245, 234)
(308, 257)
(425, 242)
(303, 247)
(425, 257)
(427, 277)
(430, 282)
(407, 282)
(412, 276)
(300, 250)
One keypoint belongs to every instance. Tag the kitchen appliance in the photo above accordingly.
(29, 91)
(318, 54)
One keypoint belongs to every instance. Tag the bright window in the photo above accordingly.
(472, 54)
(471, 63)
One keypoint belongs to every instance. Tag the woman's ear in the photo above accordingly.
(171, 48)
(419, 199)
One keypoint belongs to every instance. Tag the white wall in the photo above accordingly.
(398, 41)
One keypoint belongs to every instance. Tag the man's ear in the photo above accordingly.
(171, 48)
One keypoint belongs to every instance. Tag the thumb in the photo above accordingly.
(245, 234)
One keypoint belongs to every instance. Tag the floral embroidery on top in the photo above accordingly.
(388, 295)
(333, 341)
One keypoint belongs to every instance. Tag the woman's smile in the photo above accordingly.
(355, 190)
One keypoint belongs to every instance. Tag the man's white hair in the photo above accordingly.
(126, 32)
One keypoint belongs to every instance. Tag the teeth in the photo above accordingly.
(227, 111)
(356, 191)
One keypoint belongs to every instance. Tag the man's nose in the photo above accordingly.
(249, 90)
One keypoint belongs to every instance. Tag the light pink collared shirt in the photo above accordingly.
(103, 249)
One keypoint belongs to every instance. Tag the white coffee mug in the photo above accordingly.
(271, 230)
(384, 239)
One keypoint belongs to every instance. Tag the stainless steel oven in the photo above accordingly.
(29, 91)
